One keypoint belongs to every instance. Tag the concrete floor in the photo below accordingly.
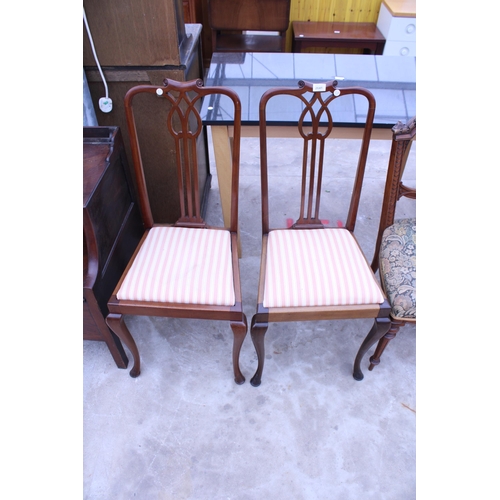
(184, 430)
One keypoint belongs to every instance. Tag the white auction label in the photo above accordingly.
(319, 87)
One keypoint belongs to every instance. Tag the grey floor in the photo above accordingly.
(184, 430)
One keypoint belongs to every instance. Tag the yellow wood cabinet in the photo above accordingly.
(349, 11)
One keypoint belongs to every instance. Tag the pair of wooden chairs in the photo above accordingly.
(309, 271)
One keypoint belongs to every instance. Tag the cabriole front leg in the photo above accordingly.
(258, 331)
(119, 328)
(379, 329)
(239, 332)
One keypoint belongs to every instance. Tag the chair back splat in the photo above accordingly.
(310, 270)
(188, 269)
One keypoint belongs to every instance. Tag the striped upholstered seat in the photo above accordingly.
(317, 267)
(182, 265)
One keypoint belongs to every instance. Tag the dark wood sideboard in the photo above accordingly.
(112, 228)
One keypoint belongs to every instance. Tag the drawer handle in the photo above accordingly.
(404, 51)
(410, 28)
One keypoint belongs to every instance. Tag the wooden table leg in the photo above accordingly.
(222, 150)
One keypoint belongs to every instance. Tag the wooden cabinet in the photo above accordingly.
(142, 42)
(398, 23)
(112, 228)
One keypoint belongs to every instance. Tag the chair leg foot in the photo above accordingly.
(258, 331)
(379, 329)
(119, 328)
(373, 363)
(239, 332)
(382, 343)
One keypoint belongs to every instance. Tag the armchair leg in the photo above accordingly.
(239, 332)
(379, 329)
(119, 328)
(258, 331)
(382, 343)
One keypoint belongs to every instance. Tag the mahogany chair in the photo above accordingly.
(396, 248)
(230, 20)
(311, 270)
(187, 269)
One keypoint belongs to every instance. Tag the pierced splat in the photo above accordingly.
(185, 125)
(314, 136)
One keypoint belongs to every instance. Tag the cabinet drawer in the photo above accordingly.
(396, 28)
(397, 48)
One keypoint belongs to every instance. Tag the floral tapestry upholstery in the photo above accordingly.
(398, 256)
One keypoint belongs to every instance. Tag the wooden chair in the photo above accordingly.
(187, 269)
(310, 271)
(396, 247)
(229, 19)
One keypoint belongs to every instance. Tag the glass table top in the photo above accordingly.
(391, 79)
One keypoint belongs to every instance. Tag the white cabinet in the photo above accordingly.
(398, 23)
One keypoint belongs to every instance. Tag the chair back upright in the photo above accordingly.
(403, 135)
(316, 120)
(184, 124)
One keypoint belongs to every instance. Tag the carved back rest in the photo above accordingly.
(185, 125)
(403, 135)
(260, 15)
(315, 126)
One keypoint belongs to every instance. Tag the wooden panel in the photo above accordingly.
(134, 32)
(263, 15)
(365, 11)
(190, 11)
(90, 329)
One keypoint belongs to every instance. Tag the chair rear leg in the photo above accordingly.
(382, 343)
(379, 329)
(119, 328)
(258, 331)
(239, 332)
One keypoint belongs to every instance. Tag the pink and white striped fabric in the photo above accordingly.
(317, 267)
(182, 265)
